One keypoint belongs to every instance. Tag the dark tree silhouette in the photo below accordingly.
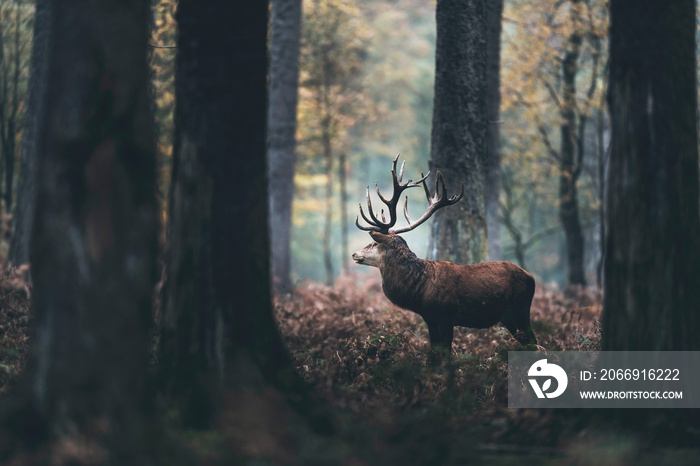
(652, 270)
(218, 332)
(493, 145)
(459, 130)
(571, 154)
(94, 241)
(26, 185)
(285, 37)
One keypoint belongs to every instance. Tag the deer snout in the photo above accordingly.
(367, 256)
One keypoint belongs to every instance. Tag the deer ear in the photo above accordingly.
(379, 237)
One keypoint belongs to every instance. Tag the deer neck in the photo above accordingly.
(403, 275)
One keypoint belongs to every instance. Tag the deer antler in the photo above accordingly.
(382, 225)
(434, 203)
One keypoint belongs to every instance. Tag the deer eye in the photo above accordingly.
(374, 245)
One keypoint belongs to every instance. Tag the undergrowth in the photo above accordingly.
(366, 355)
(14, 325)
(370, 359)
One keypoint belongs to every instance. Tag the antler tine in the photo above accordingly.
(439, 181)
(435, 202)
(457, 197)
(427, 194)
(442, 185)
(364, 217)
(405, 210)
(379, 194)
(420, 180)
(375, 224)
(375, 220)
(396, 181)
(370, 228)
(453, 199)
(403, 164)
(398, 188)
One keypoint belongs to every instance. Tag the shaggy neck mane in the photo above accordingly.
(402, 275)
(400, 257)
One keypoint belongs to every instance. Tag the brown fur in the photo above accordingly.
(447, 294)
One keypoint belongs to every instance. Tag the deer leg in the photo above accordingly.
(522, 320)
(519, 326)
(441, 333)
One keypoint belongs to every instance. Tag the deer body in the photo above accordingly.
(447, 294)
(443, 293)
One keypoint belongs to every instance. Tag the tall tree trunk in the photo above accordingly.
(571, 154)
(13, 102)
(9, 166)
(285, 34)
(218, 332)
(94, 244)
(342, 178)
(328, 216)
(652, 268)
(602, 182)
(493, 146)
(36, 109)
(459, 130)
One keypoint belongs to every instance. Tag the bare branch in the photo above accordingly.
(545, 138)
(552, 91)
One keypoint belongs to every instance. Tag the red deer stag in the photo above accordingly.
(443, 293)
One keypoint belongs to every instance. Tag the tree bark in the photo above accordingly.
(94, 244)
(285, 36)
(36, 109)
(651, 259)
(328, 214)
(493, 146)
(217, 328)
(571, 155)
(602, 183)
(459, 130)
(10, 109)
(343, 178)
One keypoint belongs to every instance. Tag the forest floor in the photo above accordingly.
(15, 317)
(369, 360)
